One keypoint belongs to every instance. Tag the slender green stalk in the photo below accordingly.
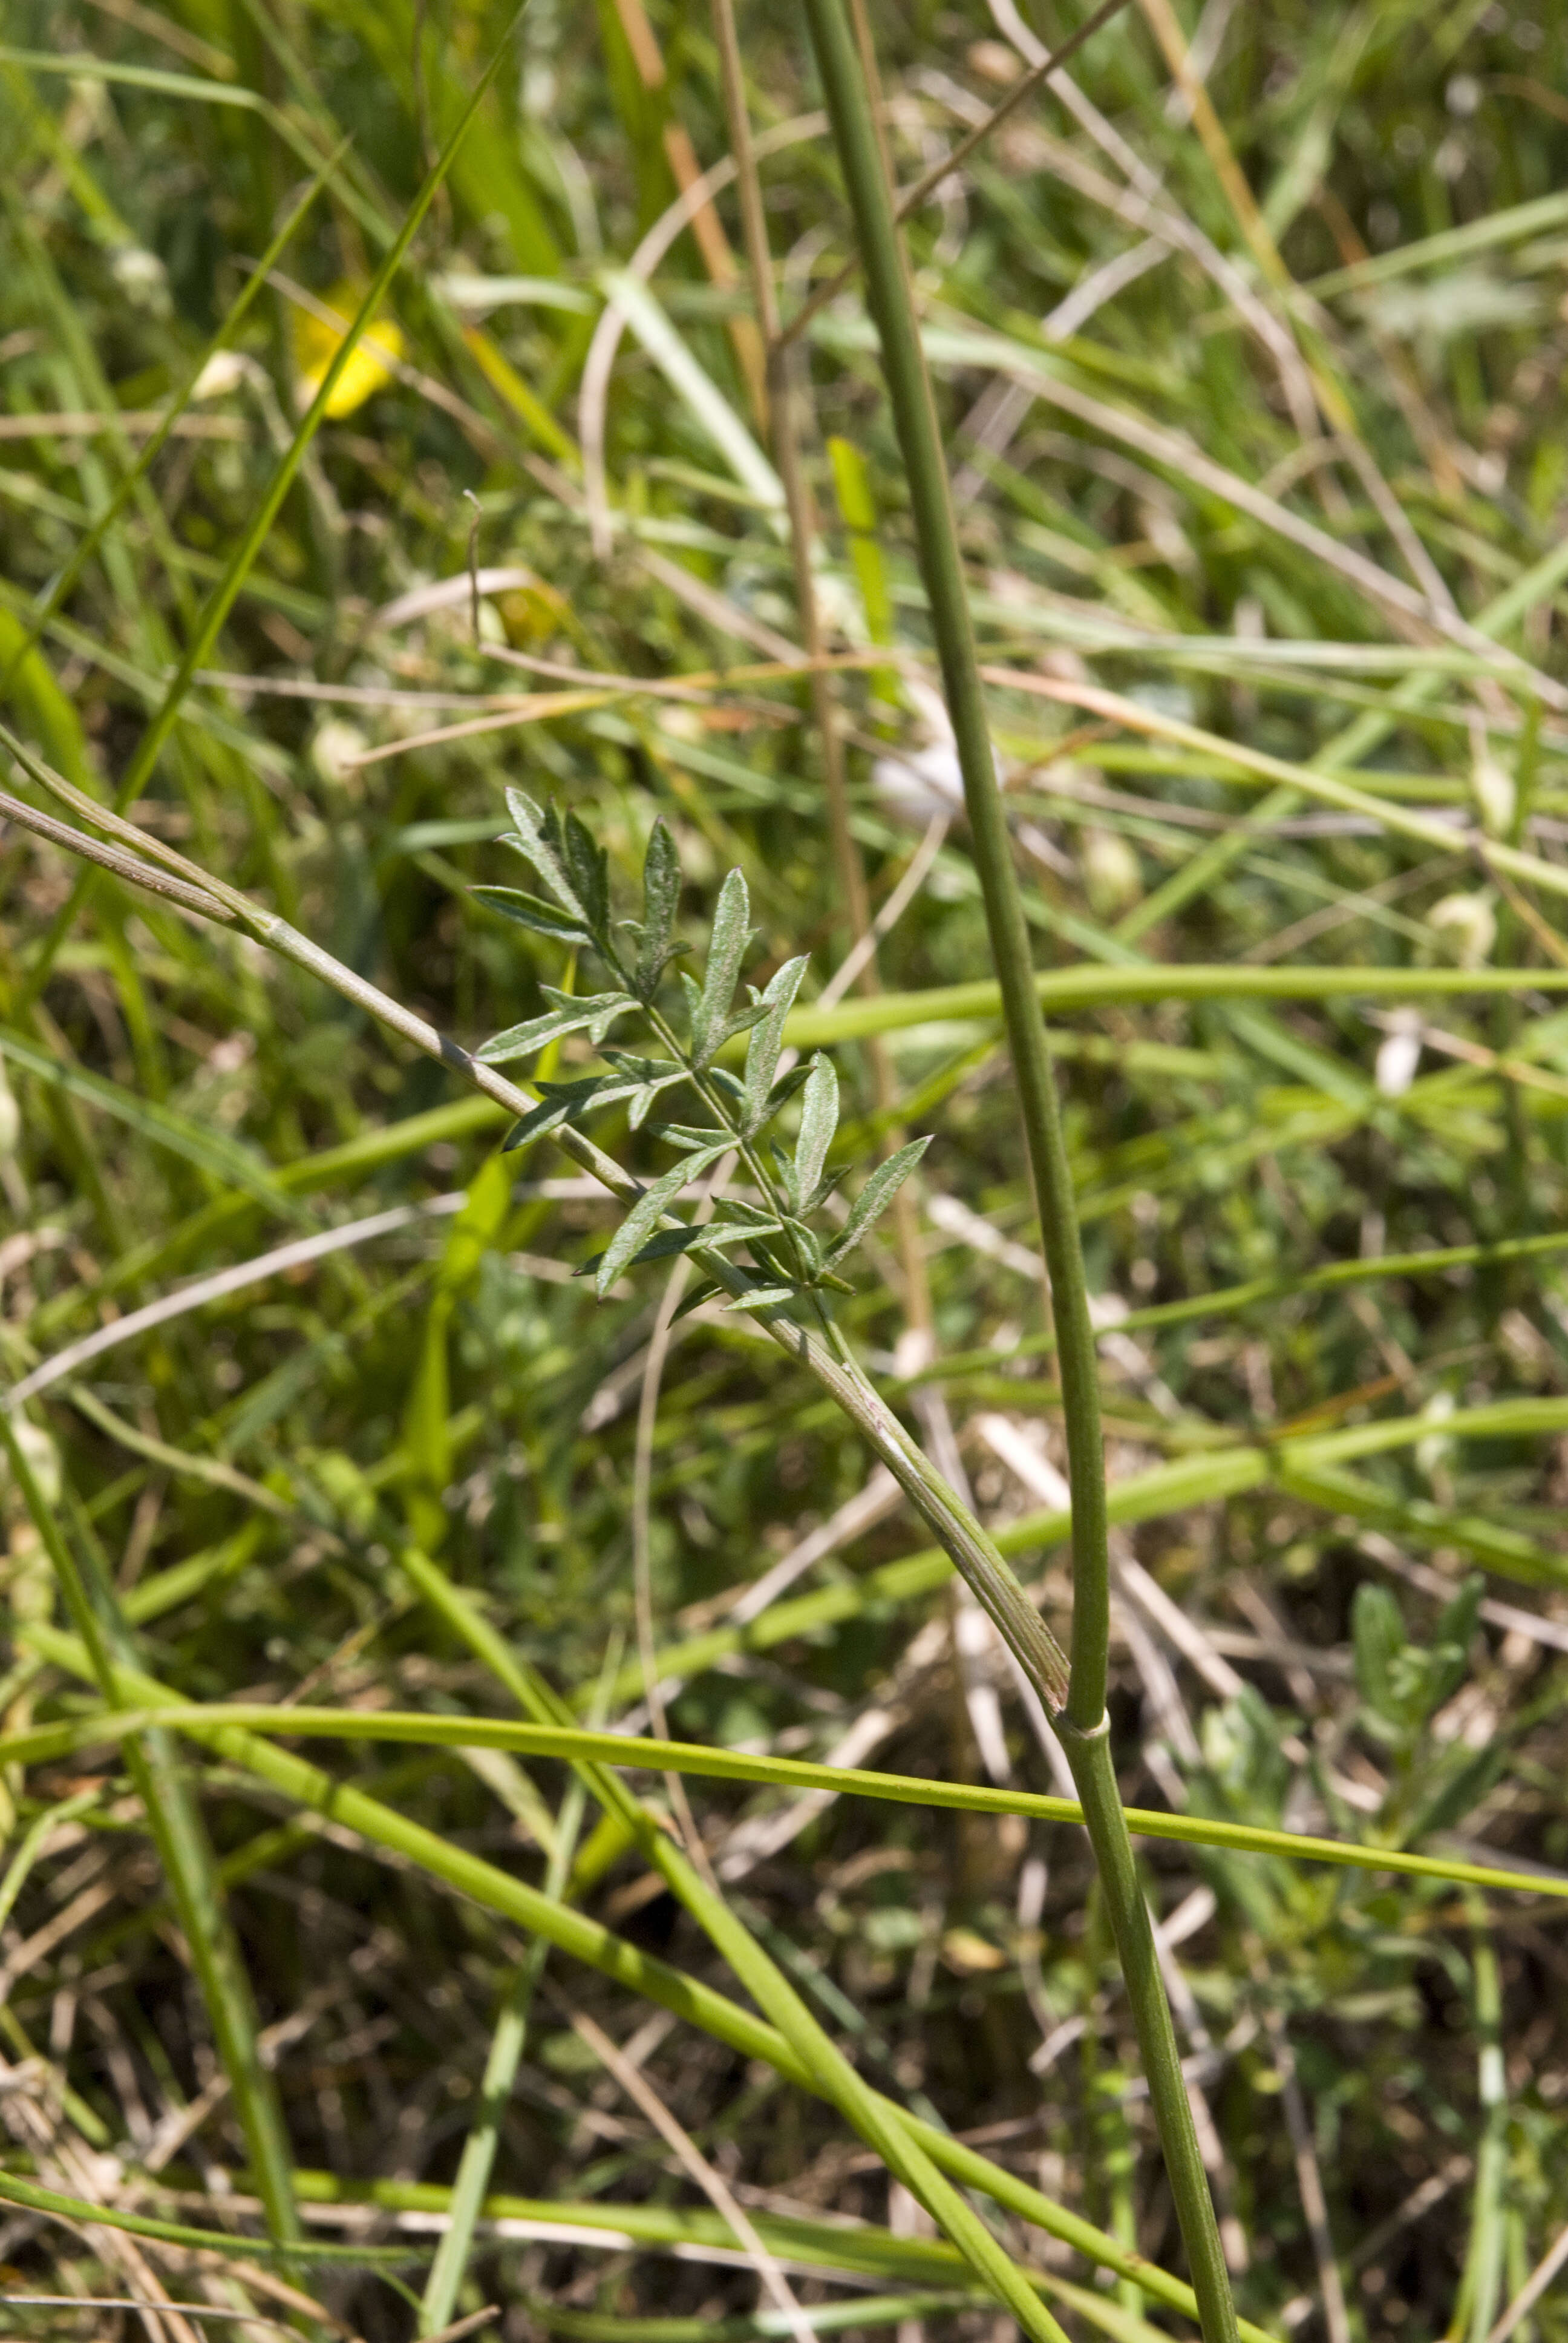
(919, 441)
(77, 2212)
(1070, 990)
(160, 1781)
(1081, 1722)
(587, 1750)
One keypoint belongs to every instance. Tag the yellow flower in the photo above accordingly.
(317, 343)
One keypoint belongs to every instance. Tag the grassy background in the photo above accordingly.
(250, 1471)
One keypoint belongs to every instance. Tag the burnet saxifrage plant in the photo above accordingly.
(768, 1253)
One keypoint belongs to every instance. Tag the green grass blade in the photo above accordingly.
(582, 1747)
(211, 1150)
(15, 2190)
(477, 2163)
(1066, 989)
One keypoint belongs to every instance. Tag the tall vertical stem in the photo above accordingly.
(1083, 1725)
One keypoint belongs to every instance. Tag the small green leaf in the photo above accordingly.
(561, 1103)
(818, 1121)
(589, 868)
(661, 899)
(1456, 1624)
(594, 1013)
(529, 912)
(767, 1041)
(755, 1216)
(742, 1022)
(875, 1197)
(638, 1226)
(642, 1079)
(643, 1218)
(785, 1088)
(688, 1137)
(667, 1241)
(763, 1297)
(807, 1247)
(606, 1008)
(1475, 1773)
(539, 840)
(726, 950)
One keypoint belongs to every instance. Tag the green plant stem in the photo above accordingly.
(1104, 1818)
(1480, 2286)
(160, 1781)
(1083, 1718)
(586, 1750)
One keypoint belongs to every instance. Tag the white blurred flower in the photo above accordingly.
(921, 782)
(1429, 1452)
(141, 278)
(1399, 1053)
(10, 1119)
(223, 373)
(925, 780)
(1470, 924)
(1111, 876)
(1492, 786)
(336, 749)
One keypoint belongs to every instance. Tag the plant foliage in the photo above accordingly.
(789, 1259)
